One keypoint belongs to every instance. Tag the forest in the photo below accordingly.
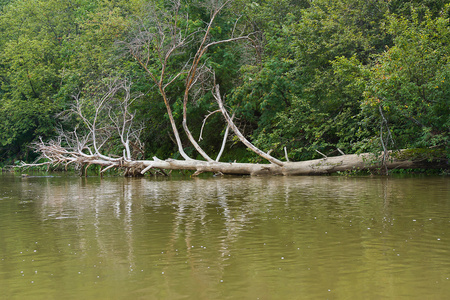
(244, 81)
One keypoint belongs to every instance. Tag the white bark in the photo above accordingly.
(239, 134)
(352, 162)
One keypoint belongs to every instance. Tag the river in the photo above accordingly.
(66, 237)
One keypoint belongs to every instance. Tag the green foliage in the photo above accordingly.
(406, 8)
(306, 94)
(50, 50)
(411, 81)
(314, 78)
(30, 65)
(425, 154)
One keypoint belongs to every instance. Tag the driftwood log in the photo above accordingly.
(57, 155)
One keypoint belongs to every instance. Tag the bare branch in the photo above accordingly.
(236, 131)
(225, 136)
(286, 154)
(324, 156)
(204, 121)
(193, 75)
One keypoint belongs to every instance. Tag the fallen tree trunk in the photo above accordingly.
(327, 165)
(344, 163)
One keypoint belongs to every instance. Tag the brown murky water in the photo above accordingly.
(225, 238)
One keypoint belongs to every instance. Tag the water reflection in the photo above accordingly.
(220, 238)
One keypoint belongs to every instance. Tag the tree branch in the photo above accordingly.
(236, 131)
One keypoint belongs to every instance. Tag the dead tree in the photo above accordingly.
(159, 41)
(106, 118)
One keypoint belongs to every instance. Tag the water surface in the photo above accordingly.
(225, 238)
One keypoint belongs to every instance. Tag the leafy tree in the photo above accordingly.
(410, 81)
(297, 80)
(417, 7)
(51, 50)
(30, 62)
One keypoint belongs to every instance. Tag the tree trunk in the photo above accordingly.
(350, 162)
